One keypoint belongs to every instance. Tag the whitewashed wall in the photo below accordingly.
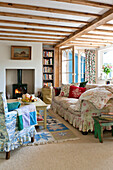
(6, 62)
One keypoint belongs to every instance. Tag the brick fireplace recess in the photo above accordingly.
(19, 88)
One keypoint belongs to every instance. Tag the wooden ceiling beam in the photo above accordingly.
(99, 35)
(93, 39)
(35, 17)
(104, 39)
(92, 44)
(29, 33)
(91, 26)
(88, 41)
(33, 29)
(29, 37)
(103, 30)
(29, 24)
(85, 46)
(85, 2)
(8, 39)
(108, 25)
(45, 9)
(8, 14)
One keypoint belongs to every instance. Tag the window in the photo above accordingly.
(105, 57)
(70, 74)
(67, 66)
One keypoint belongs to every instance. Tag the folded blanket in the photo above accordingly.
(26, 116)
(98, 96)
(13, 106)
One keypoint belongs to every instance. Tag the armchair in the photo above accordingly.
(11, 135)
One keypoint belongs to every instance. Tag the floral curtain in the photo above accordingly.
(90, 66)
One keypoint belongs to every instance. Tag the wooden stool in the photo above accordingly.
(98, 127)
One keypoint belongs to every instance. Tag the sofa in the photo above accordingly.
(16, 127)
(78, 112)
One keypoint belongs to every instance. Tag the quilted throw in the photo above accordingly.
(26, 116)
(98, 96)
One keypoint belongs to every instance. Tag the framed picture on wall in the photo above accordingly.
(21, 52)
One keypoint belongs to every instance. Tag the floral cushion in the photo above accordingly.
(65, 90)
(75, 92)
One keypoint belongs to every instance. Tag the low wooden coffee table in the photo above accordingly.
(40, 105)
(98, 127)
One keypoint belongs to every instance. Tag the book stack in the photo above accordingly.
(48, 84)
(106, 116)
(48, 61)
(48, 77)
(47, 70)
(48, 54)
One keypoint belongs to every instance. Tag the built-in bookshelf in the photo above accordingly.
(48, 66)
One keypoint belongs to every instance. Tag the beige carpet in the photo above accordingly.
(83, 154)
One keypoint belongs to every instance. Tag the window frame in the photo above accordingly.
(100, 62)
(80, 51)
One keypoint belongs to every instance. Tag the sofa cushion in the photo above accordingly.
(72, 109)
(75, 92)
(67, 103)
(65, 90)
(58, 99)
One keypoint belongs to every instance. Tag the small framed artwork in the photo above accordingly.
(21, 52)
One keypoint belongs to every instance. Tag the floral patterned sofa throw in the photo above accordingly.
(10, 136)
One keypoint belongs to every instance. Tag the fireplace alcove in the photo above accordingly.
(23, 83)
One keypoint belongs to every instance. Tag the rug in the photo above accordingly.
(56, 131)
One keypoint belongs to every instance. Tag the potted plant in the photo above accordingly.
(107, 69)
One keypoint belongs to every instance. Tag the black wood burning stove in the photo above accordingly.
(19, 88)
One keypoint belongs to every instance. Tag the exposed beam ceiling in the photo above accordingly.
(29, 33)
(97, 38)
(18, 15)
(92, 25)
(27, 40)
(81, 45)
(29, 37)
(93, 44)
(33, 29)
(90, 42)
(67, 22)
(99, 35)
(94, 39)
(39, 25)
(103, 31)
(85, 2)
(51, 10)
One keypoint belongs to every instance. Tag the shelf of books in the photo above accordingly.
(48, 67)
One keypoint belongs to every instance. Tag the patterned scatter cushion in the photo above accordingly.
(65, 90)
(83, 84)
(75, 92)
(57, 90)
